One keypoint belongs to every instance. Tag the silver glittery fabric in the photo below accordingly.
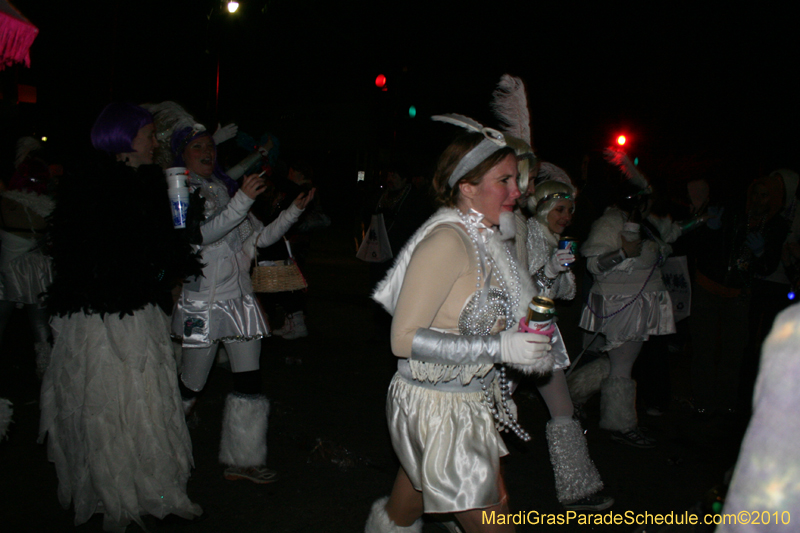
(486, 320)
(575, 473)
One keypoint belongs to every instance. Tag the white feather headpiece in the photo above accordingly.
(621, 160)
(169, 117)
(492, 142)
(510, 106)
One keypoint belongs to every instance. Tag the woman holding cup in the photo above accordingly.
(456, 300)
(628, 301)
(220, 306)
(111, 410)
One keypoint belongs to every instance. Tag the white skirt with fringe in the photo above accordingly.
(447, 444)
(649, 314)
(112, 415)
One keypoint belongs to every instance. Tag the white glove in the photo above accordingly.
(557, 263)
(523, 348)
(224, 133)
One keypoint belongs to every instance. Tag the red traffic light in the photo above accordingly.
(621, 140)
(380, 81)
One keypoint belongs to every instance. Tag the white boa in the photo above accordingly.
(40, 204)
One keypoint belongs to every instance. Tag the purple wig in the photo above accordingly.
(117, 127)
(181, 139)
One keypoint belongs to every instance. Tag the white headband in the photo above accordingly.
(492, 142)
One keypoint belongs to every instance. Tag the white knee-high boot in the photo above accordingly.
(586, 381)
(575, 473)
(379, 521)
(618, 404)
(244, 430)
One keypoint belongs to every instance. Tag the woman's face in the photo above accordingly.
(200, 155)
(560, 216)
(497, 191)
(143, 146)
(759, 201)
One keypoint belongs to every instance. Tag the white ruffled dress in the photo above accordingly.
(112, 414)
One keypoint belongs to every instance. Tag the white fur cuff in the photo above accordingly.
(244, 431)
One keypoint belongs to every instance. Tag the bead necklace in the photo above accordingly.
(505, 420)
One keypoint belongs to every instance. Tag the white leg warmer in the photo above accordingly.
(585, 381)
(379, 521)
(244, 431)
(575, 473)
(618, 404)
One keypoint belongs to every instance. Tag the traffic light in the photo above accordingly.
(380, 81)
(412, 112)
(621, 140)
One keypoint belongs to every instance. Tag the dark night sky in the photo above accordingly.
(714, 85)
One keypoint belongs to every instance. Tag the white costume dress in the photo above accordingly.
(628, 302)
(442, 429)
(220, 305)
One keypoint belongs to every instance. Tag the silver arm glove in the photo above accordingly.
(609, 260)
(435, 347)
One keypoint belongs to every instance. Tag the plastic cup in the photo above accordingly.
(179, 202)
(176, 177)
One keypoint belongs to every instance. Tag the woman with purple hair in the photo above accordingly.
(111, 409)
(219, 305)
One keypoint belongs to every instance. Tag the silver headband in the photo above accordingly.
(554, 196)
(492, 142)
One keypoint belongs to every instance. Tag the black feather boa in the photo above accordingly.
(113, 244)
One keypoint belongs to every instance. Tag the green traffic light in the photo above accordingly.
(636, 161)
(412, 112)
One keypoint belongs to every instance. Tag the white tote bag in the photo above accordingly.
(375, 247)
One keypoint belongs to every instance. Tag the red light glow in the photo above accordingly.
(380, 81)
(621, 140)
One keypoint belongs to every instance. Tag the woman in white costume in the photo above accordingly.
(220, 306)
(25, 270)
(456, 300)
(577, 479)
(111, 410)
(628, 301)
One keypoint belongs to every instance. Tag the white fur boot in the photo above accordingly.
(585, 381)
(618, 404)
(244, 431)
(575, 473)
(379, 521)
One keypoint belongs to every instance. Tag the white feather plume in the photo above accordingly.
(459, 120)
(621, 160)
(510, 106)
(169, 117)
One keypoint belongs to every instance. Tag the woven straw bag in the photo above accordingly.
(278, 278)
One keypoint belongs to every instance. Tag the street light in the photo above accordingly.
(233, 5)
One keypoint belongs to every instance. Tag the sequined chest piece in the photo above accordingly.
(487, 319)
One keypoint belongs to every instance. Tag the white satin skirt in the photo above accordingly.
(447, 444)
(199, 325)
(113, 418)
(650, 314)
(25, 277)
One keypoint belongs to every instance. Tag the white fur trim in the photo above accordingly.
(586, 380)
(379, 521)
(5, 416)
(40, 204)
(244, 431)
(618, 404)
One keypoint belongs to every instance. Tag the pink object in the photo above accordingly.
(16, 36)
(549, 330)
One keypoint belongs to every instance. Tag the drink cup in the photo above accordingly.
(176, 177)
(179, 202)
